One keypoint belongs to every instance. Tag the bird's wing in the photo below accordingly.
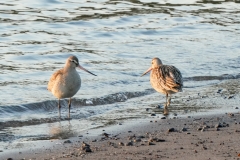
(54, 78)
(171, 77)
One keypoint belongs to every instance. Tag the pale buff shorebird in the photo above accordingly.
(165, 79)
(66, 82)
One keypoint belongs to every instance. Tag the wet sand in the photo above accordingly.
(201, 137)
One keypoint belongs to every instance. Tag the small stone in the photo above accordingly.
(150, 143)
(163, 117)
(200, 128)
(137, 140)
(217, 129)
(175, 114)
(9, 159)
(230, 97)
(160, 140)
(219, 125)
(236, 108)
(121, 144)
(129, 143)
(67, 141)
(184, 129)
(219, 91)
(106, 134)
(171, 130)
(153, 114)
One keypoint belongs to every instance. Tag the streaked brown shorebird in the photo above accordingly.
(66, 82)
(165, 79)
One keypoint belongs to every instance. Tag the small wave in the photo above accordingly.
(209, 78)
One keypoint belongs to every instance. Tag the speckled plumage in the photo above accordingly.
(165, 79)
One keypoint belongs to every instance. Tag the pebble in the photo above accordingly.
(137, 140)
(150, 143)
(106, 134)
(171, 130)
(160, 140)
(129, 143)
(200, 128)
(184, 129)
(153, 114)
(9, 159)
(219, 125)
(236, 108)
(121, 144)
(86, 147)
(67, 141)
(163, 117)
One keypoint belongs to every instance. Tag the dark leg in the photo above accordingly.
(165, 110)
(59, 108)
(69, 107)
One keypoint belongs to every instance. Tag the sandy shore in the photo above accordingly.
(214, 137)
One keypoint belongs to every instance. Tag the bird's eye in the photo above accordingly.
(74, 61)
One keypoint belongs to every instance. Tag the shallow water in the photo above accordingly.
(115, 40)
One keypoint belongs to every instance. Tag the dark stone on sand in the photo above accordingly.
(160, 140)
(140, 136)
(67, 141)
(9, 159)
(129, 131)
(147, 109)
(153, 114)
(106, 134)
(129, 143)
(86, 147)
(137, 140)
(217, 129)
(236, 108)
(219, 91)
(230, 97)
(184, 129)
(121, 144)
(150, 143)
(200, 128)
(163, 117)
(171, 130)
(175, 114)
(219, 125)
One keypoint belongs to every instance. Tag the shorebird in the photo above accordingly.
(66, 82)
(165, 79)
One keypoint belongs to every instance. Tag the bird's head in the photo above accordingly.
(156, 62)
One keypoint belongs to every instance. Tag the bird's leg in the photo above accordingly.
(69, 107)
(59, 108)
(169, 100)
(166, 104)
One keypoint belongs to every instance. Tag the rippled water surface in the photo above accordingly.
(115, 40)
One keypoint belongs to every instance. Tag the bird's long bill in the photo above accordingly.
(147, 71)
(86, 70)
